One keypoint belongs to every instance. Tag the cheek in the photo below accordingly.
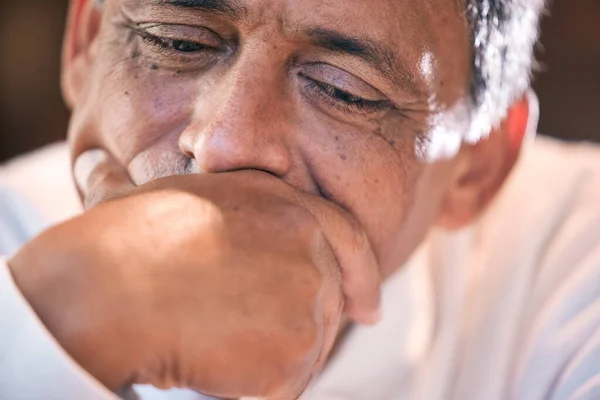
(372, 174)
(136, 108)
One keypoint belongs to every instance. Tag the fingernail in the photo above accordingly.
(85, 165)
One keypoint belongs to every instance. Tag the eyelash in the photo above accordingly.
(343, 100)
(336, 97)
(165, 44)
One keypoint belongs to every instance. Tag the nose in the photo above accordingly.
(243, 124)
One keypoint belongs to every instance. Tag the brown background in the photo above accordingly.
(32, 112)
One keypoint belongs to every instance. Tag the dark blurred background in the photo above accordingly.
(32, 112)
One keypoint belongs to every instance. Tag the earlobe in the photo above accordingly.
(482, 168)
(82, 28)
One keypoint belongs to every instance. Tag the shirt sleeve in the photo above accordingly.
(32, 364)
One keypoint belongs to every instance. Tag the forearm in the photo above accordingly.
(74, 305)
(32, 363)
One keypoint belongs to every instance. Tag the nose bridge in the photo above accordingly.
(256, 76)
(241, 124)
(245, 101)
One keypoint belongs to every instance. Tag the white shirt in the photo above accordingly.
(506, 309)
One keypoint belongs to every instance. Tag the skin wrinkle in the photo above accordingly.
(267, 108)
(149, 167)
(231, 8)
(382, 59)
(486, 21)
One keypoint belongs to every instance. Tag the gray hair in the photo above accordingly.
(504, 35)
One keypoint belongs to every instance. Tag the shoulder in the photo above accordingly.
(531, 272)
(43, 179)
(550, 216)
(551, 201)
(551, 165)
(553, 204)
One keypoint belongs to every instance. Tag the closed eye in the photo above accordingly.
(343, 99)
(181, 46)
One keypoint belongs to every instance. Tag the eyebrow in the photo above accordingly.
(375, 54)
(233, 9)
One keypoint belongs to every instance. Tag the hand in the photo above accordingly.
(225, 283)
(100, 179)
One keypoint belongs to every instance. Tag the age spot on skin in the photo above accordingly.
(134, 54)
(343, 157)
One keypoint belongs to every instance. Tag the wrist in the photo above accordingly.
(72, 299)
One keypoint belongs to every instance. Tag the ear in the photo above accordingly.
(482, 168)
(83, 25)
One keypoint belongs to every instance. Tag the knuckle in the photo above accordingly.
(305, 341)
(301, 279)
(299, 337)
(279, 385)
(293, 352)
(290, 376)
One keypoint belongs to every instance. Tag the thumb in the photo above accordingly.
(100, 177)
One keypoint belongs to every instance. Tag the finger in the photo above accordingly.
(100, 178)
(361, 277)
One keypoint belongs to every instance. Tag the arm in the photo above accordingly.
(117, 285)
(32, 363)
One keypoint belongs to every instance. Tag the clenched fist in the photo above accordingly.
(232, 284)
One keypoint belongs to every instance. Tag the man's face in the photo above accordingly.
(340, 98)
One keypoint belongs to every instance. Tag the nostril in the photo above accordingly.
(232, 146)
(186, 144)
(188, 154)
